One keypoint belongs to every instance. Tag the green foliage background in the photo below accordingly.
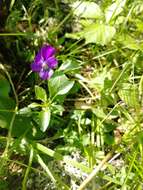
(88, 117)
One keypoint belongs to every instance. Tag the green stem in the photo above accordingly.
(28, 169)
(129, 171)
(5, 153)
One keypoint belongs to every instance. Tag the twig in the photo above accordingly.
(95, 171)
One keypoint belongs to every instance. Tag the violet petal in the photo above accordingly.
(47, 51)
(52, 62)
(38, 57)
(36, 67)
(45, 74)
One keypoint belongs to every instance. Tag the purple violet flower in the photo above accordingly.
(45, 62)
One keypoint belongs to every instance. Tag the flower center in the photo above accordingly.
(45, 66)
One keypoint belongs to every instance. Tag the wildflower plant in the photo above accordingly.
(45, 62)
(58, 85)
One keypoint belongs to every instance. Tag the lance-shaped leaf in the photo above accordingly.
(44, 119)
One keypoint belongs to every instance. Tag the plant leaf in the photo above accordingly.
(69, 65)
(86, 9)
(141, 86)
(58, 156)
(98, 33)
(40, 93)
(130, 95)
(129, 42)
(44, 119)
(45, 167)
(115, 9)
(7, 106)
(4, 88)
(59, 84)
